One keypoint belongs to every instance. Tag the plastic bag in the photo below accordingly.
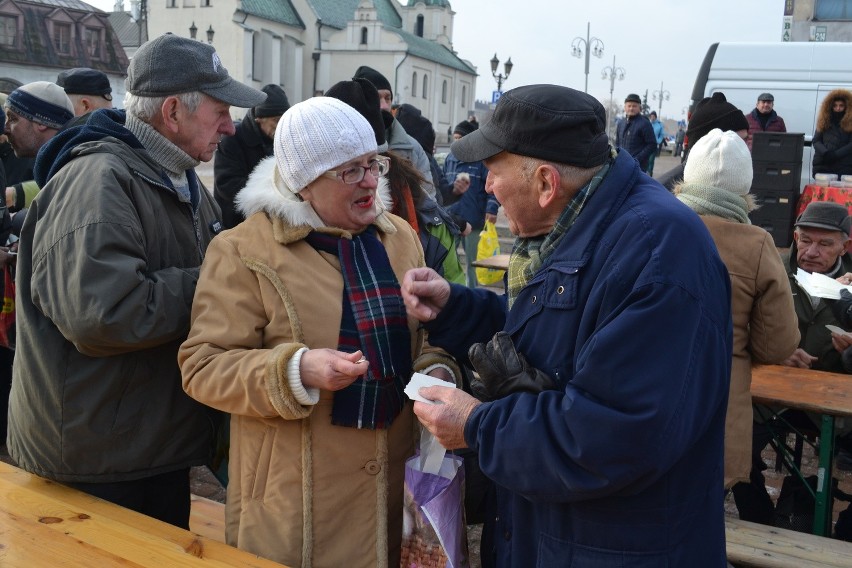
(7, 312)
(488, 246)
(434, 527)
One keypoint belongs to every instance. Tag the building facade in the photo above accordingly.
(40, 38)
(817, 20)
(308, 45)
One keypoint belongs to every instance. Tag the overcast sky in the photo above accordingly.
(658, 43)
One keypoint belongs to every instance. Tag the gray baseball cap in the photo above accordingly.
(170, 65)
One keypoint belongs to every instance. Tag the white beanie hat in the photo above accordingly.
(42, 102)
(317, 135)
(722, 160)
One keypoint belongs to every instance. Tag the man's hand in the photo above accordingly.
(503, 370)
(425, 293)
(467, 229)
(840, 342)
(801, 359)
(446, 420)
(328, 369)
(461, 185)
(491, 218)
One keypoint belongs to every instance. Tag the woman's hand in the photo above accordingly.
(331, 370)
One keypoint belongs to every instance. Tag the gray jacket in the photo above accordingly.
(403, 143)
(107, 269)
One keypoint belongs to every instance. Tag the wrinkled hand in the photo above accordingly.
(503, 370)
(841, 342)
(461, 185)
(842, 308)
(446, 420)
(328, 369)
(425, 293)
(491, 218)
(801, 359)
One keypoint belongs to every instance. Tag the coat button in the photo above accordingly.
(534, 299)
(373, 467)
(560, 289)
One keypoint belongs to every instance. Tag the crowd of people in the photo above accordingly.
(609, 405)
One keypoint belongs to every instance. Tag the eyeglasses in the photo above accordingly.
(351, 176)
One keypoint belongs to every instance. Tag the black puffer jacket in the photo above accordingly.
(235, 159)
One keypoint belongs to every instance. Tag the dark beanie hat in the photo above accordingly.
(276, 102)
(714, 112)
(377, 79)
(361, 95)
(417, 126)
(464, 128)
(633, 98)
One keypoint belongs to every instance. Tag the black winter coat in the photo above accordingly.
(235, 159)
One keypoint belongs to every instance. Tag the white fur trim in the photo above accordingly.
(307, 396)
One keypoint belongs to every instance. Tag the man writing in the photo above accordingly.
(608, 383)
(108, 264)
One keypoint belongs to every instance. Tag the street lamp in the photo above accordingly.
(661, 95)
(611, 73)
(210, 33)
(139, 14)
(507, 69)
(591, 45)
(193, 30)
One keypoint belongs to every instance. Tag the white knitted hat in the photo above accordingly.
(317, 135)
(720, 159)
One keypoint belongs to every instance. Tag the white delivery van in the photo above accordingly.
(798, 74)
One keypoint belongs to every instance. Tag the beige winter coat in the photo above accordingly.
(301, 491)
(765, 326)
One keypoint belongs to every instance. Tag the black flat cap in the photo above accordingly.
(85, 81)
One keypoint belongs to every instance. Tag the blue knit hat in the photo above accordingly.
(42, 102)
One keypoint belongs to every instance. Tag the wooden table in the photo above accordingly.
(827, 394)
(498, 261)
(44, 523)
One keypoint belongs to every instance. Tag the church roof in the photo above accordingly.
(432, 51)
(281, 11)
(441, 3)
(337, 13)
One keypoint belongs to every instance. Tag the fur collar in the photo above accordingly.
(824, 117)
(291, 216)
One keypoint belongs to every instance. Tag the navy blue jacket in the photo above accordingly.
(636, 135)
(475, 202)
(622, 465)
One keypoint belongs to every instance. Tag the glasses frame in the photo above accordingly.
(379, 166)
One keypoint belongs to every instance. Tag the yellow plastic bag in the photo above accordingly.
(488, 246)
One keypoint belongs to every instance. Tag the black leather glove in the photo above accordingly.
(842, 308)
(502, 370)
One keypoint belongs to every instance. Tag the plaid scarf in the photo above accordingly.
(373, 320)
(530, 253)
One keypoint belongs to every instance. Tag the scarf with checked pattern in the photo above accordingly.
(373, 320)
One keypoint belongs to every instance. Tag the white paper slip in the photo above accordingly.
(819, 285)
(419, 380)
(837, 330)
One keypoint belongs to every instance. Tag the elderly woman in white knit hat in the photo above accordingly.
(300, 333)
(717, 178)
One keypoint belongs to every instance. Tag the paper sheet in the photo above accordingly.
(420, 380)
(819, 285)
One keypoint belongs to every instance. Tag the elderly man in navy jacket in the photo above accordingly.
(605, 379)
(635, 133)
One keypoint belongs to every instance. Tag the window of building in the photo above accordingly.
(425, 85)
(92, 40)
(171, 3)
(62, 38)
(464, 95)
(414, 84)
(363, 36)
(206, 3)
(418, 27)
(833, 10)
(444, 92)
(8, 30)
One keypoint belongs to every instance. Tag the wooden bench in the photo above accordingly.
(751, 544)
(207, 518)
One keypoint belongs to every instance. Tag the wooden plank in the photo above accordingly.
(68, 519)
(207, 518)
(498, 261)
(806, 389)
(761, 546)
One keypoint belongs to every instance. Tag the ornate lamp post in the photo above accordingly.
(611, 73)
(210, 33)
(507, 69)
(660, 95)
(193, 31)
(589, 46)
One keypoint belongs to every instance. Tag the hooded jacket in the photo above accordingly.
(832, 141)
(107, 268)
(301, 491)
(235, 158)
